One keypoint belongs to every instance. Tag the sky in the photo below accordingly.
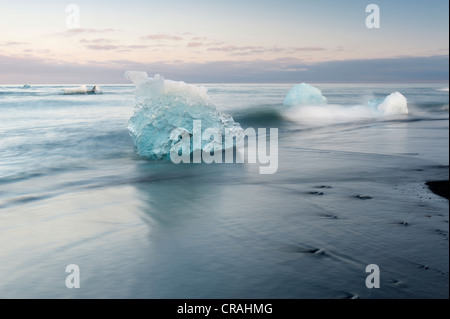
(223, 41)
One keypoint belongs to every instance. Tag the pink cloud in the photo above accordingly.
(137, 46)
(251, 49)
(194, 44)
(13, 43)
(162, 37)
(119, 48)
(102, 47)
(98, 41)
(308, 49)
(82, 30)
(233, 48)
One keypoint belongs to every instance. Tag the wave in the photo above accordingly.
(260, 115)
(307, 102)
(308, 105)
(330, 113)
(430, 107)
(314, 116)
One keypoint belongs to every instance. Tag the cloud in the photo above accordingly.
(249, 49)
(407, 69)
(233, 48)
(102, 47)
(98, 41)
(243, 50)
(194, 44)
(39, 70)
(138, 46)
(77, 31)
(11, 43)
(411, 69)
(162, 37)
(213, 45)
(118, 48)
(307, 49)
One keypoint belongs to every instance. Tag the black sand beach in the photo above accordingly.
(439, 188)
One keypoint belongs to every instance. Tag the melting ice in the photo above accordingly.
(304, 94)
(392, 104)
(162, 106)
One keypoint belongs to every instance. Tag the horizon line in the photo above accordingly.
(231, 82)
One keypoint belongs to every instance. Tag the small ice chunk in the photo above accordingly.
(304, 94)
(392, 104)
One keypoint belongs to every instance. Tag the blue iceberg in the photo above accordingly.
(163, 107)
(304, 94)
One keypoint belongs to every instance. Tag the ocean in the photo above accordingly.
(349, 192)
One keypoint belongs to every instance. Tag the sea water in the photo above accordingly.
(349, 191)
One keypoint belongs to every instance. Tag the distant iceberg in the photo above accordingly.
(77, 90)
(83, 90)
(162, 106)
(392, 104)
(304, 94)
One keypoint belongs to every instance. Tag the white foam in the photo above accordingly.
(78, 90)
(393, 104)
(327, 114)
